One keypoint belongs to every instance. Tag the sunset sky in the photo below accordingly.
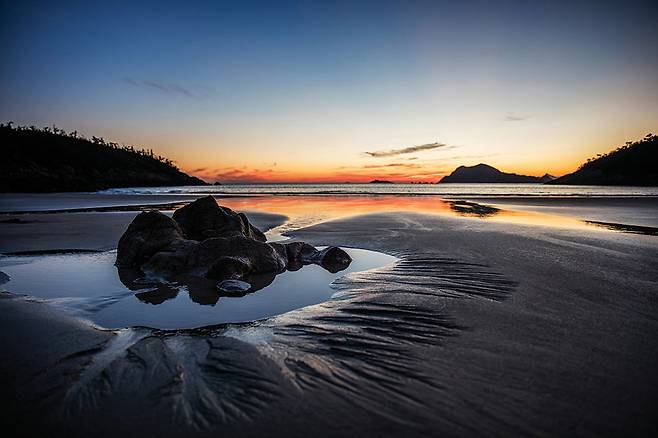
(338, 91)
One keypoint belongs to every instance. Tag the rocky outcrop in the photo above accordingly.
(204, 218)
(206, 240)
(147, 234)
(246, 255)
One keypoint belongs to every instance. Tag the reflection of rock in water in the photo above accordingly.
(465, 208)
(132, 278)
(625, 228)
(257, 282)
(158, 295)
(201, 290)
(148, 290)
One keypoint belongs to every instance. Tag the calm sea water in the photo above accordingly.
(449, 190)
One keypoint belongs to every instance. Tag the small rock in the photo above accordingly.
(299, 251)
(332, 258)
(233, 286)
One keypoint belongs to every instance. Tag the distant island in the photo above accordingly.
(483, 173)
(52, 160)
(634, 164)
(381, 181)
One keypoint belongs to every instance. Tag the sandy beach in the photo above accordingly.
(482, 327)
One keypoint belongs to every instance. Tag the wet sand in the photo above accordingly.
(483, 328)
(39, 202)
(642, 211)
(88, 230)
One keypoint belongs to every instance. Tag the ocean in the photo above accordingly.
(448, 190)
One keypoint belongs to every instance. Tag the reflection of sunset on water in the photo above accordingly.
(304, 211)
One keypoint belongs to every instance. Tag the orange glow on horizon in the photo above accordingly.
(327, 177)
(349, 163)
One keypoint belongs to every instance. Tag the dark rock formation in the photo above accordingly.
(299, 251)
(230, 267)
(172, 259)
(483, 173)
(258, 256)
(205, 240)
(148, 233)
(204, 218)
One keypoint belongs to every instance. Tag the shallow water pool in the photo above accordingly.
(91, 287)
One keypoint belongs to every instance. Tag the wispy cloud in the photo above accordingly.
(511, 117)
(407, 150)
(395, 165)
(162, 87)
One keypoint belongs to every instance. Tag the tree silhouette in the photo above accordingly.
(634, 163)
(50, 159)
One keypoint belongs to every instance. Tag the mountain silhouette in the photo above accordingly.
(634, 164)
(483, 173)
(51, 160)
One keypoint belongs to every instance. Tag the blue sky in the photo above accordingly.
(302, 90)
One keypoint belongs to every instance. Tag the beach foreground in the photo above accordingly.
(482, 328)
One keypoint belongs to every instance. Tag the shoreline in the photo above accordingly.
(87, 230)
(98, 228)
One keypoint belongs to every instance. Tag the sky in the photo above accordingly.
(338, 91)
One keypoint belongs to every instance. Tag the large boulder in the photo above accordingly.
(257, 257)
(149, 233)
(172, 259)
(229, 267)
(204, 219)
